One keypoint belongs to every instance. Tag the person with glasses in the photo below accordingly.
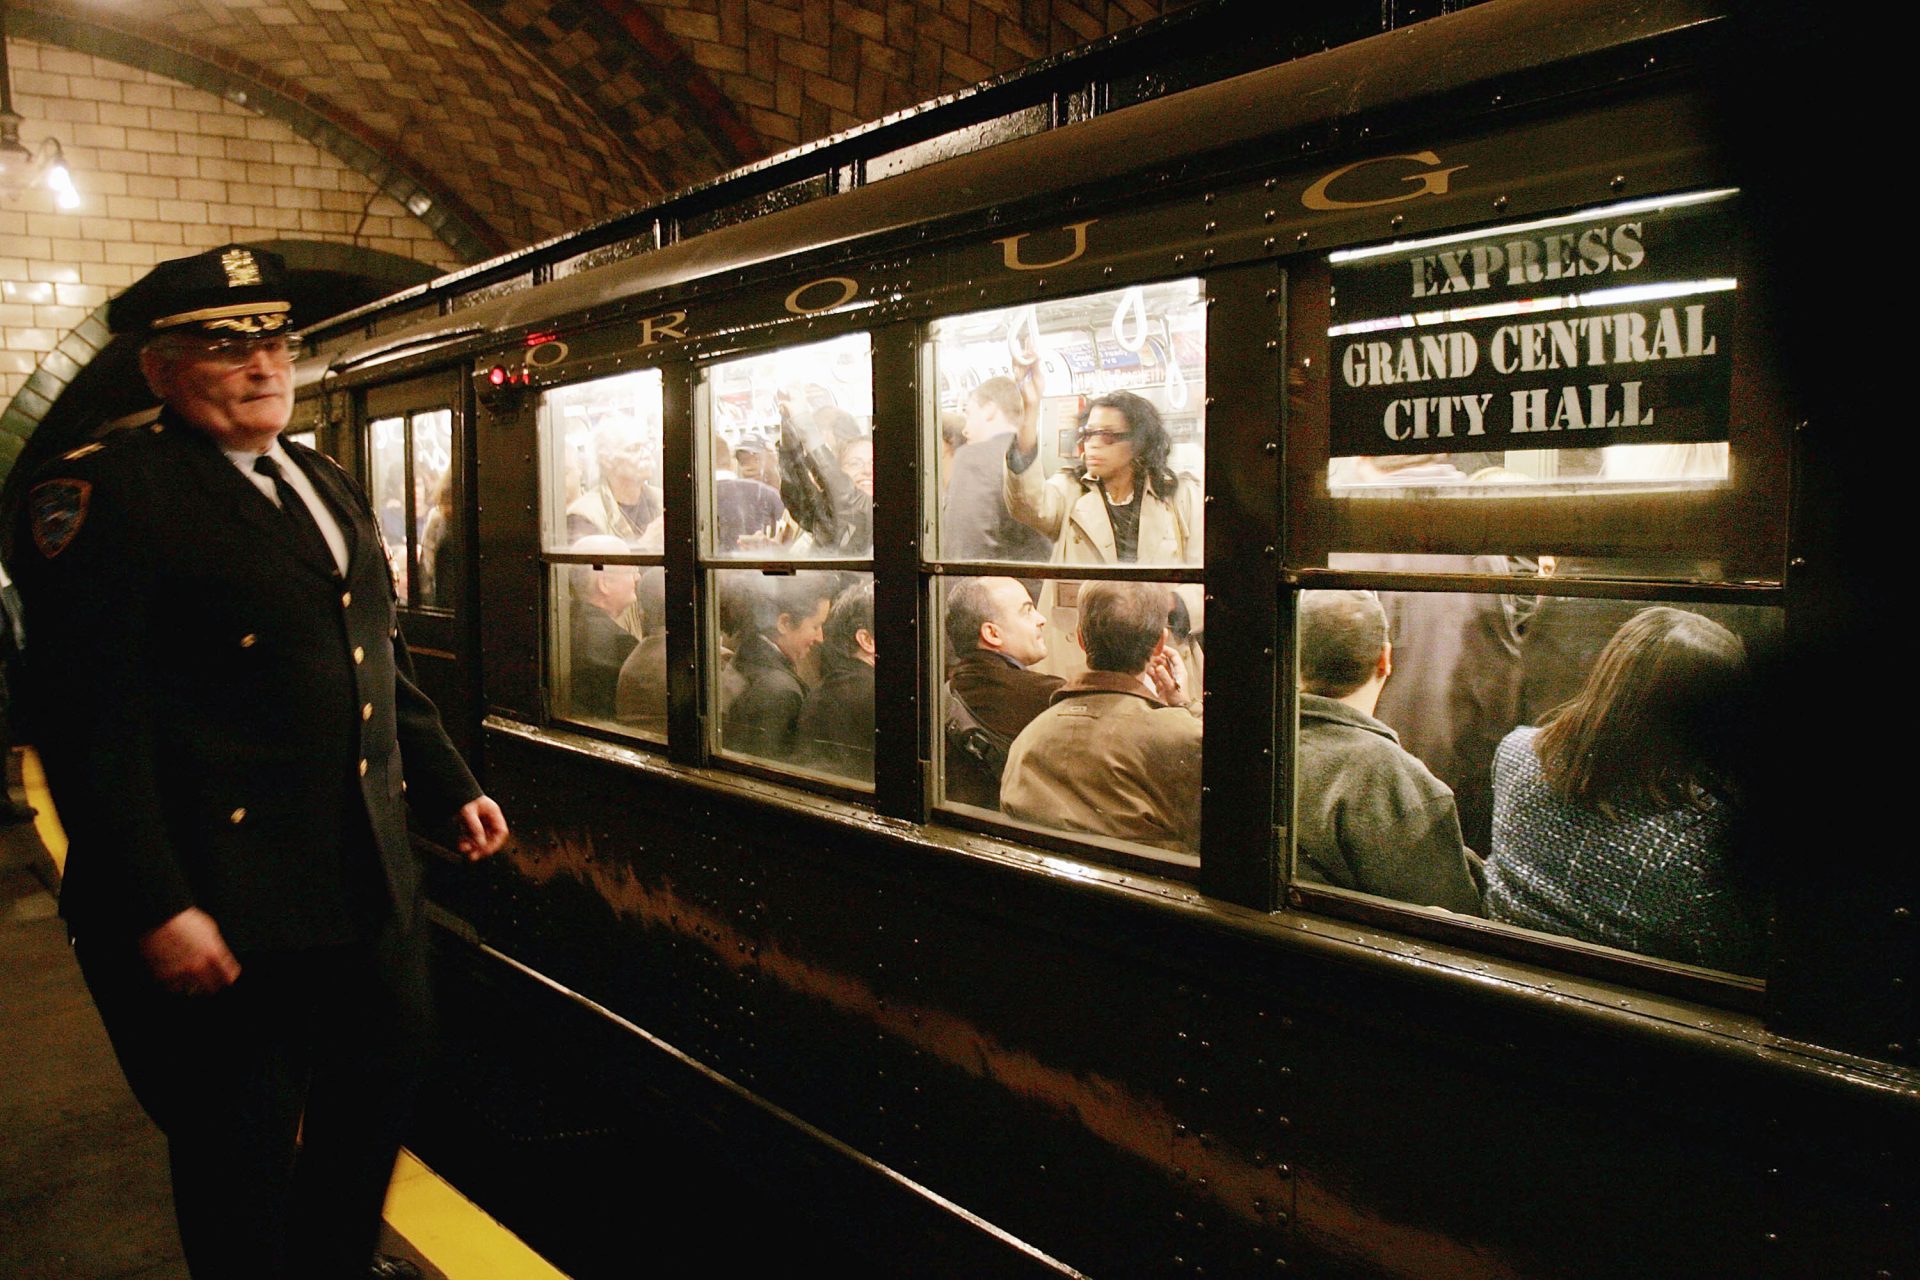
(233, 739)
(1120, 503)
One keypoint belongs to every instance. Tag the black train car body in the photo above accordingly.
(963, 1051)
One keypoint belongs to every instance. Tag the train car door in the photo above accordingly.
(416, 475)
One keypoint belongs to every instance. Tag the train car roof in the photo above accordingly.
(1229, 118)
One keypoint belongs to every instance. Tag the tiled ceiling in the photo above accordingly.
(526, 118)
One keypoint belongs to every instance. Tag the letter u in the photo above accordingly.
(1010, 248)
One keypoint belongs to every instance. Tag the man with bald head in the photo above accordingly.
(995, 637)
(603, 598)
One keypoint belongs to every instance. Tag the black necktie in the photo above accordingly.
(307, 537)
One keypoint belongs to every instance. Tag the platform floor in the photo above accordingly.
(83, 1172)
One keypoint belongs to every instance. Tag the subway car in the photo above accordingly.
(1220, 956)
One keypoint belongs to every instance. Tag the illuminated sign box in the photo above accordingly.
(1613, 326)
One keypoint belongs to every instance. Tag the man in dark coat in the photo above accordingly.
(994, 636)
(763, 719)
(232, 736)
(835, 732)
(602, 595)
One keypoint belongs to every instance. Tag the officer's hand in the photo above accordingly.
(483, 827)
(187, 955)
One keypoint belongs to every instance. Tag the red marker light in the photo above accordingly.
(539, 339)
(497, 376)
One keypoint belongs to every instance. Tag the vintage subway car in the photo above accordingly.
(1477, 313)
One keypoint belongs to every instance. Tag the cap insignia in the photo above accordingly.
(59, 509)
(242, 268)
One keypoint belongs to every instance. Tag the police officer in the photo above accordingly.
(232, 736)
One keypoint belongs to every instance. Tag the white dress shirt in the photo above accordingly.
(297, 477)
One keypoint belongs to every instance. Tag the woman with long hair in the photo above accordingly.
(1612, 819)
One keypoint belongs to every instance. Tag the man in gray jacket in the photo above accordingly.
(1369, 816)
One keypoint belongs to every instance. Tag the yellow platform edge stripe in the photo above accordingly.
(449, 1230)
(33, 779)
(452, 1233)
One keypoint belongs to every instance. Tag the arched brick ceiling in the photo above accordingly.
(532, 117)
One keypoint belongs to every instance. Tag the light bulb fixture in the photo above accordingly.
(23, 168)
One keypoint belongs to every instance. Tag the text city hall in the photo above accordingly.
(1618, 338)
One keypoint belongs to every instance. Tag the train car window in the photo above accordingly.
(1563, 765)
(600, 461)
(794, 655)
(387, 455)
(307, 438)
(1108, 756)
(435, 522)
(1071, 432)
(1120, 378)
(411, 464)
(1544, 388)
(608, 640)
(602, 522)
(787, 482)
(789, 458)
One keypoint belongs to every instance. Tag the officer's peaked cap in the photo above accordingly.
(232, 291)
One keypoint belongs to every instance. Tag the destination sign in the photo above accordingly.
(1571, 335)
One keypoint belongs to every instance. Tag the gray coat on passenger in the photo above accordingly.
(1371, 817)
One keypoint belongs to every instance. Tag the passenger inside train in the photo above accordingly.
(996, 639)
(640, 693)
(602, 598)
(1368, 815)
(836, 721)
(788, 616)
(1612, 819)
(1117, 751)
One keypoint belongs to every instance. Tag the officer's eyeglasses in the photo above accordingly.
(1103, 438)
(237, 353)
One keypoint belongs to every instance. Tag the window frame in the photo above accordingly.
(548, 561)
(1757, 494)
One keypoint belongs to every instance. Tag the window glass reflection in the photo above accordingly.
(795, 658)
(791, 456)
(600, 456)
(1582, 747)
(1112, 753)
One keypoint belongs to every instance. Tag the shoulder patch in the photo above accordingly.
(85, 449)
(59, 509)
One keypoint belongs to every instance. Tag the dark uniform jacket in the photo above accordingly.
(225, 724)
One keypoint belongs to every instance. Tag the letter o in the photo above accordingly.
(534, 360)
(849, 289)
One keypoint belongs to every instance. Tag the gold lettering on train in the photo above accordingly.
(848, 288)
(1434, 182)
(1010, 248)
(555, 352)
(665, 325)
